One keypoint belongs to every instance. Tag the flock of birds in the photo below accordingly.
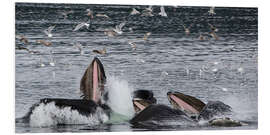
(112, 32)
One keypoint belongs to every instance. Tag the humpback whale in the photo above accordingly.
(92, 88)
(195, 107)
(215, 112)
(185, 108)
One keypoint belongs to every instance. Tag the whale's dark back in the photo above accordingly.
(158, 112)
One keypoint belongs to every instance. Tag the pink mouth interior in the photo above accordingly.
(95, 82)
(183, 104)
(141, 107)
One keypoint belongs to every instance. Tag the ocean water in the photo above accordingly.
(169, 60)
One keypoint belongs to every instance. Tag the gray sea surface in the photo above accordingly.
(169, 60)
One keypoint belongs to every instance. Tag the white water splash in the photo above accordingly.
(49, 114)
(243, 108)
(120, 96)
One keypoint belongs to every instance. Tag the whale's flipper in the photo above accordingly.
(92, 82)
(188, 104)
(142, 99)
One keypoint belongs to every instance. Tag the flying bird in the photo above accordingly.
(103, 15)
(201, 37)
(79, 47)
(22, 38)
(103, 51)
(118, 28)
(214, 35)
(150, 8)
(162, 12)
(134, 12)
(187, 31)
(90, 13)
(109, 32)
(43, 42)
(65, 14)
(213, 28)
(212, 11)
(81, 25)
(133, 45)
(147, 12)
(145, 37)
(48, 31)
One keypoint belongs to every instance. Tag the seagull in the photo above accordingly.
(90, 13)
(162, 12)
(212, 11)
(133, 45)
(241, 70)
(187, 31)
(46, 43)
(147, 12)
(214, 35)
(213, 28)
(48, 31)
(110, 33)
(52, 63)
(79, 46)
(118, 28)
(41, 64)
(23, 39)
(33, 52)
(164, 73)
(146, 35)
(134, 12)
(187, 70)
(19, 47)
(150, 8)
(200, 73)
(103, 51)
(102, 15)
(201, 37)
(83, 24)
(140, 60)
(130, 29)
(65, 14)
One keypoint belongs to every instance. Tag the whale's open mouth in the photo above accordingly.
(189, 104)
(96, 95)
(142, 99)
(93, 80)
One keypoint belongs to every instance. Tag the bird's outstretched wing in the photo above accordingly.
(79, 26)
(121, 25)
